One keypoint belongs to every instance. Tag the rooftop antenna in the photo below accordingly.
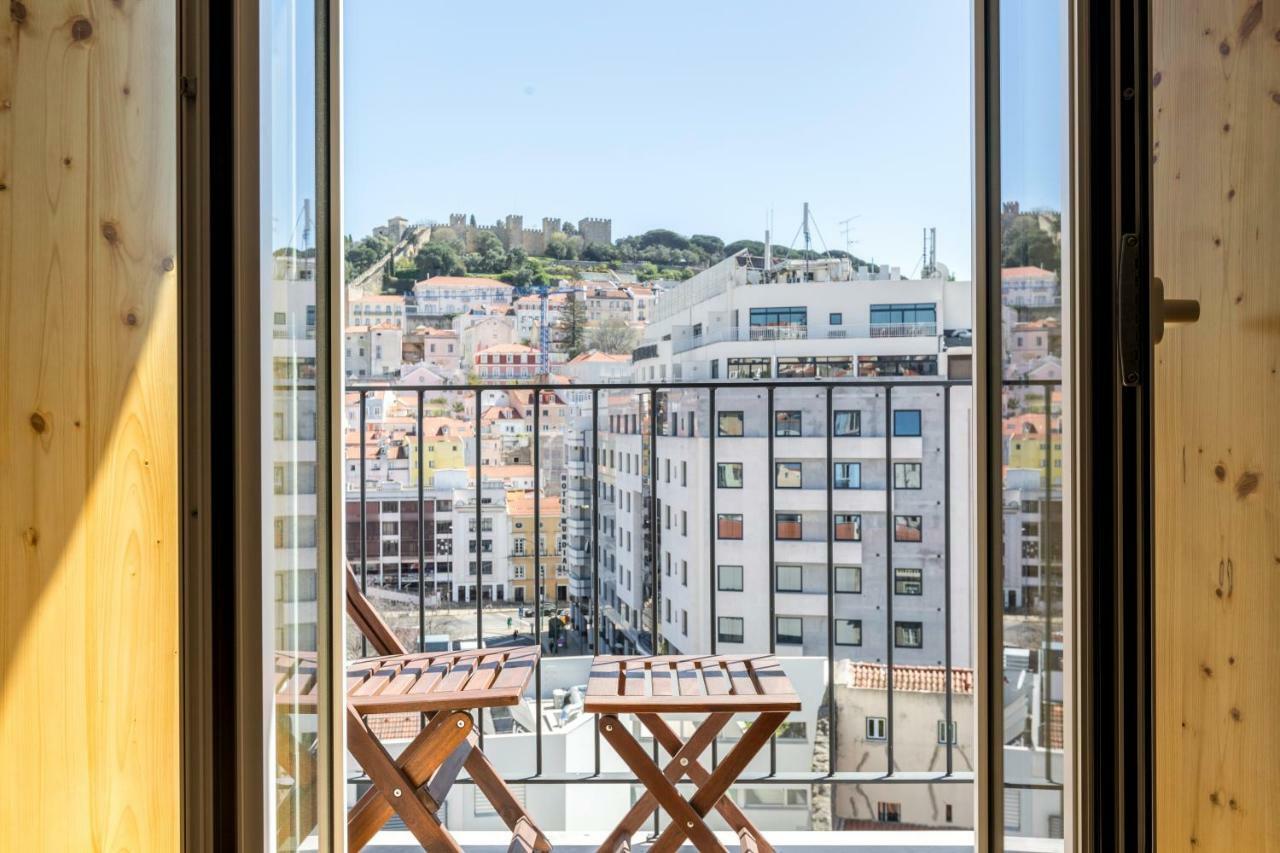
(929, 253)
(847, 229)
(807, 240)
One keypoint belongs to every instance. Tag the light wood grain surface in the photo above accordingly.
(1217, 425)
(88, 427)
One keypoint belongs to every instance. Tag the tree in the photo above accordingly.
(561, 247)
(1024, 243)
(570, 331)
(612, 336)
(439, 259)
(712, 247)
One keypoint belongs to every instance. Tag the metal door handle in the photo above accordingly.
(1169, 311)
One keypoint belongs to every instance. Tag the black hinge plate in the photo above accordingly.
(1129, 312)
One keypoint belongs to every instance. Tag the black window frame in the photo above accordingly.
(906, 466)
(742, 424)
(908, 586)
(788, 466)
(856, 624)
(836, 479)
(919, 428)
(722, 637)
(720, 587)
(857, 423)
(857, 573)
(784, 413)
(777, 578)
(898, 526)
(720, 469)
(791, 639)
(898, 627)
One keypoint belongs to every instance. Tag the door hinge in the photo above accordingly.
(1129, 319)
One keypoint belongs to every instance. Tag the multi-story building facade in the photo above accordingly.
(748, 317)
(506, 362)
(374, 310)
(549, 548)
(447, 295)
(374, 351)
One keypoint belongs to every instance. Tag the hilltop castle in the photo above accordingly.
(511, 232)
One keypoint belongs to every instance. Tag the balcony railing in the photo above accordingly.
(600, 619)
(685, 343)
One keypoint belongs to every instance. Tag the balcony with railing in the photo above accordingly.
(696, 338)
(808, 574)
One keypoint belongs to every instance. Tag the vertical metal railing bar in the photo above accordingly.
(654, 561)
(713, 486)
(771, 428)
(1046, 583)
(889, 532)
(595, 546)
(364, 523)
(537, 573)
(831, 590)
(654, 521)
(946, 569)
(422, 538)
(479, 470)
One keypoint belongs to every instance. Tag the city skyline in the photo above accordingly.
(685, 133)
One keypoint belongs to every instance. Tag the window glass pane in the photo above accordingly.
(1033, 74)
(730, 578)
(848, 527)
(729, 526)
(906, 423)
(848, 632)
(908, 581)
(848, 423)
(786, 423)
(907, 528)
(729, 475)
(790, 578)
(787, 525)
(294, 287)
(848, 475)
(906, 475)
(730, 424)
(849, 579)
(790, 631)
(788, 475)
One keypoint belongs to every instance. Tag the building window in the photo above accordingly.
(790, 631)
(836, 319)
(848, 475)
(849, 579)
(847, 423)
(789, 579)
(848, 527)
(771, 324)
(729, 579)
(786, 525)
(748, 368)
(876, 727)
(729, 424)
(848, 632)
(788, 475)
(906, 422)
(946, 731)
(889, 812)
(889, 320)
(729, 475)
(684, 523)
(908, 528)
(684, 572)
(786, 424)
(908, 635)
(684, 622)
(728, 526)
(908, 581)
(906, 475)
(730, 629)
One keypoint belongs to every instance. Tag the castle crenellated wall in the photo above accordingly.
(511, 232)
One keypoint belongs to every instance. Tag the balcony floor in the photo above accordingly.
(784, 842)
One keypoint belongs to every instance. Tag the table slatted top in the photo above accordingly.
(689, 684)
(431, 681)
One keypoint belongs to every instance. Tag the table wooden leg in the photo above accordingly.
(682, 812)
(699, 775)
(684, 758)
(715, 786)
(398, 786)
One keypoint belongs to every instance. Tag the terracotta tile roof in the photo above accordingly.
(460, 282)
(1026, 272)
(1055, 726)
(917, 679)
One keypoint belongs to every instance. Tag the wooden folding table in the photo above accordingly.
(719, 686)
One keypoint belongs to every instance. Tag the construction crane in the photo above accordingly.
(544, 334)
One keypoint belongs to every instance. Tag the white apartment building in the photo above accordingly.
(1032, 534)
(1028, 288)
(747, 317)
(446, 295)
(481, 331)
(372, 310)
(884, 605)
(374, 351)
(449, 556)
(290, 450)
(528, 310)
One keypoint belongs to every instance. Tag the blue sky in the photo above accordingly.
(703, 117)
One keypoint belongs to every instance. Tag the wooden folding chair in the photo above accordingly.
(442, 685)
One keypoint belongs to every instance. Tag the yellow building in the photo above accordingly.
(1025, 444)
(555, 578)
